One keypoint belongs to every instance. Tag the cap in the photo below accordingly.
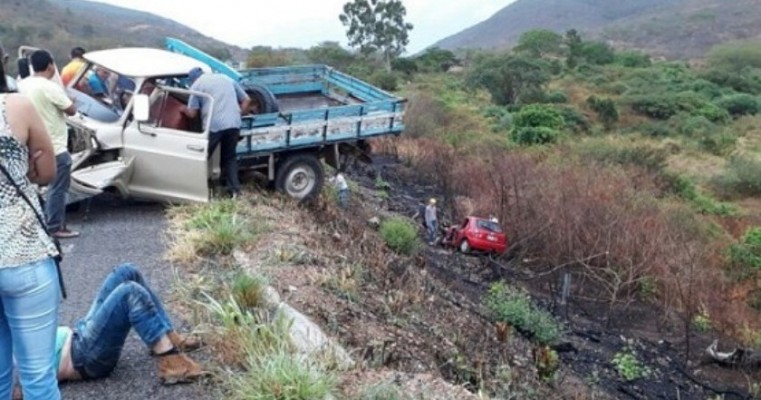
(195, 73)
(432, 201)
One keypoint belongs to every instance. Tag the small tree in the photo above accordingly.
(436, 60)
(539, 42)
(377, 26)
(574, 43)
(508, 77)
(605, 109)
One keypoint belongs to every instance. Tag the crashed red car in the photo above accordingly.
(477, 234)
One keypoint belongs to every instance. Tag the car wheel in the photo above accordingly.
(300, 176)
(465, 246)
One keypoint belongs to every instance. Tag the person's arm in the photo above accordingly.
(243, 100)
(57, 95)
(27, 124)
(194, 104)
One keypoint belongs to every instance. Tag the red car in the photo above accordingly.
(477, 234)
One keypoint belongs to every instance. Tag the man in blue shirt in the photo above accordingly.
(224, 121)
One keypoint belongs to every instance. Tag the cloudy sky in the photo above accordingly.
(304, 23)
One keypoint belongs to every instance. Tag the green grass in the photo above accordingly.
(515, 307)
(400, 235)
(282, 376)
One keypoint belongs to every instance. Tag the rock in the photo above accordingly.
(374, 222)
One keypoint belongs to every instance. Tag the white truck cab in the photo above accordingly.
(162, 155)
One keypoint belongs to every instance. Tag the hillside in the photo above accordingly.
(59, 25)
(670, 28)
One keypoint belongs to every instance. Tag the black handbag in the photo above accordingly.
(57, 244)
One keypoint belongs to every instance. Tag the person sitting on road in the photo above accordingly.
(92, 348)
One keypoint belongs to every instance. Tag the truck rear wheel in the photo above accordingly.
(300, 176)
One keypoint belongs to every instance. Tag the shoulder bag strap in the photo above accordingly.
(28, 201)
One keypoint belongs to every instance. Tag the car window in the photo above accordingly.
(166, 111)
(102, 94)
(488, 226)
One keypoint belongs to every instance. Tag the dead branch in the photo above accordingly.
(737, 358)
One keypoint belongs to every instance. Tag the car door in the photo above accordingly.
(170, 151)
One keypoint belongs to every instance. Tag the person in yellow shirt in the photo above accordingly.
(53, 104)
(70, 71)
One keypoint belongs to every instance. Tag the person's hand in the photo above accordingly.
(32, 171)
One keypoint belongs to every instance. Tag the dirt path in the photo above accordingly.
(588, 346)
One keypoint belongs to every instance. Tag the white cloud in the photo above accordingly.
(304, 23)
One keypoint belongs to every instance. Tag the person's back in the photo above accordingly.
(74, 66)
(226, 101)
(48, 98)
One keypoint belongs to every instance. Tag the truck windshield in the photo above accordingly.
(102, 94)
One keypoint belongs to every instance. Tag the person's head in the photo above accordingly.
(42, 63)
(102, 73)
(77, 52)
(432, 202)
(194, 74)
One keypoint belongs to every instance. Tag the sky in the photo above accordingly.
(305, 23)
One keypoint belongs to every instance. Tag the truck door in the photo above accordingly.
(170, 151)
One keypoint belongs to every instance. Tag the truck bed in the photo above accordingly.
(318, 106)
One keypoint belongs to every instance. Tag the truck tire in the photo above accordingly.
(300, 176)
(263, 96)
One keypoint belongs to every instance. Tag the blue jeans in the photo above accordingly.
(228, 157)
(432, 226)
(125, 301)
(29, 299)
(55, 208)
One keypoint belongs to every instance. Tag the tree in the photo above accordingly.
(539, 42)
(377, 26)
(598, 53)
(436, 60)
(331, 53)
(509, 78)
(574, 43)
(265, 56)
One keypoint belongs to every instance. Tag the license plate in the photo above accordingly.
(491, 238)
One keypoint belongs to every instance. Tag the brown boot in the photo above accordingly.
(178, 368)
(183, 343)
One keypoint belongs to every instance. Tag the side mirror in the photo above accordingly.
(141, 107)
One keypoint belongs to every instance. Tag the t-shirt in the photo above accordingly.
(71, 70)
(97, 86)
(61, 335)
(227, 95)
(50, 99)
(430, 214)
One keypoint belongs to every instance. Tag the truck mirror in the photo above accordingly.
(141, 107)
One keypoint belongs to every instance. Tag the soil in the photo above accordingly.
(407, 318)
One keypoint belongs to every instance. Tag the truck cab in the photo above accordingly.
(161, 156)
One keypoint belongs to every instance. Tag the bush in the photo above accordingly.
(742, 177)
(400, 235)
(605, 109)
(538, 115)
(385, 80)
(740, 104)
(648, 157)
(666, 105)
(557, 97)
(283, 376)
(687, 190)
(514, 307)
(633, 59)
(694, 126)
(528, 136)
(655, 129)
(746, 255)
(574, 119)
(718, 143)
(628, 366)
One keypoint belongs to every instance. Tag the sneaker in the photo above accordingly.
(183, 343)
(65, 234)
(178, 368)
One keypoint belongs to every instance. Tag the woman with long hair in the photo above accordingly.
(29, 285)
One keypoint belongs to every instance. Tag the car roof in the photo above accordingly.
(144, 62)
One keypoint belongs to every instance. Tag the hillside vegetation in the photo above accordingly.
(59, 25)
(673, 28)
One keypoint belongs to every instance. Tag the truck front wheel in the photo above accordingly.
(300, 176)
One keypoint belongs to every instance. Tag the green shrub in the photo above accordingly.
(219, 227)
(574, 119)
(400, 235)
(686, 189)
(617, 88)
(385, 80)
(538, 115)
(557, 97)
(605, 109)
(740, 104)
(283, 376)
(633, 59)
(719, 142)
(693, 126)
(746, 255)
(648, 157)
(666, 105)
(628, 365)
(655, 129)
(741, 177)
(528, 136)
(515, 307)
(249, 291)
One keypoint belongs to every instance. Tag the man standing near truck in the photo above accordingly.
(230, 101)
(53, 104)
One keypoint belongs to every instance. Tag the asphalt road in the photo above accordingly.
(113, 232)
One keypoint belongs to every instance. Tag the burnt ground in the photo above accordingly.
(590, 342)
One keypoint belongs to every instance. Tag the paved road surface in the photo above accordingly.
(113, 232)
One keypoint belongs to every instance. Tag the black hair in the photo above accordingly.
(40, 60)
(77, 52)
(3, 82)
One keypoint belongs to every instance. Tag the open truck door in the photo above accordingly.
(170, 151)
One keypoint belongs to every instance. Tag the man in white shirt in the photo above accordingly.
(343, 189)
(53, 104)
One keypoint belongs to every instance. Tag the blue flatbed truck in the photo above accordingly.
(305, 114)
